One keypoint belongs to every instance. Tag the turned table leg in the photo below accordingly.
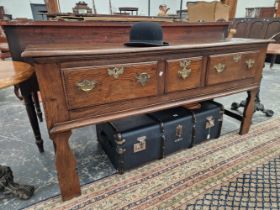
(248, 112)
(66, 166)
(29, 105)
(37, 106)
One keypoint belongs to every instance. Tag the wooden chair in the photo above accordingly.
(274, 48)
(17, 73)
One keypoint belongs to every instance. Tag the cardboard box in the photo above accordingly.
(208, 11)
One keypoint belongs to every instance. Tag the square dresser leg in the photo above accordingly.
(249, 110)
(65, 160)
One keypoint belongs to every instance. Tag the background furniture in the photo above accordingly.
(39, 11)
(274, 48)
(82, 8)
(207, 11)
(3, 15)
(260, 28)
(233, 5)
(130, 10)
(52, 6)
(11, 74)
(29, 96)
(16, 73)
(260, 12)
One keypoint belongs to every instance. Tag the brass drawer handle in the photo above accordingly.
(143, 78)
(185, 71)
(236, 58)
(250, 63)
(86, 85)
(115, 71)
(220, 67)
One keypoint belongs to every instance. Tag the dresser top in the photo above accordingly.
(112, 23)
(50, 50)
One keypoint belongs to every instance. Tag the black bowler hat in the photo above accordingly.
(146, 34)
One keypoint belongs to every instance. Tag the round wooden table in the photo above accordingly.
(14, 72)
(17, 73)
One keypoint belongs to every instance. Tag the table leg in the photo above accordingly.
(273, 59)
(66, 166)
(33, 120)
(17, 92)
(37, 106)
(248, 112)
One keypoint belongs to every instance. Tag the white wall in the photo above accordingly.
(21, 8)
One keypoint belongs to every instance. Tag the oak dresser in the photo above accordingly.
(87, 83)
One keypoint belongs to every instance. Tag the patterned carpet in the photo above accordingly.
(196, 178)
(259, 189)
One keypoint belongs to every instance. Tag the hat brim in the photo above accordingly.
(145, 44)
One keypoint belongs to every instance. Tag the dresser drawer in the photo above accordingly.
(183, 74)
(86, 86)
(231, 67)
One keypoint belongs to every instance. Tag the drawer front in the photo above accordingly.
(88, 86)
(183, 74)
(231, 67)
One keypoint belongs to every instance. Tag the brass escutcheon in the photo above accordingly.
(185, 71)
(86, 85)
(220, 67)
(115, 71)
(236, 58)
(143, 78)
(250, 63)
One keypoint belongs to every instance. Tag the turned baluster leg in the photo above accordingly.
(37, 106)
(17, 92)
(66, 166)
(33, 121)
(248, 112)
